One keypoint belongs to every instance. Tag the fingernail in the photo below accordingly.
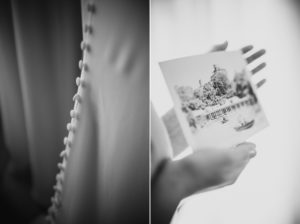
(247, 144)
(262, 81)
(252, 153)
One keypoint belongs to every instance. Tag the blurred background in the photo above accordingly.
(268, 191)
(40, 49)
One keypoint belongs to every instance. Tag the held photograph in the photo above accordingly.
(215, 101)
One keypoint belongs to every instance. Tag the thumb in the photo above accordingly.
(245, 151)
(220, 47)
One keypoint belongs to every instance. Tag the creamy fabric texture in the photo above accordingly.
(39, 54)
(107, 177)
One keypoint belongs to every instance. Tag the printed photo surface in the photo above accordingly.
(214, 99)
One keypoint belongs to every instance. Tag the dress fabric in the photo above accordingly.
(107, 176)
(38, 60)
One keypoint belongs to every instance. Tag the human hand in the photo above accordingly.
(217, 168)
(203, 170)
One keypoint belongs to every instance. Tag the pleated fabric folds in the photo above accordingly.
(38, 60)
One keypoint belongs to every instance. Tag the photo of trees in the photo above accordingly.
(214, 92)
(216, 97)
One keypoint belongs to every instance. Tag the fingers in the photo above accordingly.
(246, 49)
(260, 83)
(258, 68)
(220, 47)
(244, 151)
(214, 167)
(255, 56)
(251, 58)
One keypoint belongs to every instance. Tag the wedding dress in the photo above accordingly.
(103, 172)
(104, 178)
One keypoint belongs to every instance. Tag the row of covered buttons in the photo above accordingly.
(71, 127)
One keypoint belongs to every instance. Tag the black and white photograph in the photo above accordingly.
(225, 105)
(149, 111)
(214, 99)
(74, 111)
